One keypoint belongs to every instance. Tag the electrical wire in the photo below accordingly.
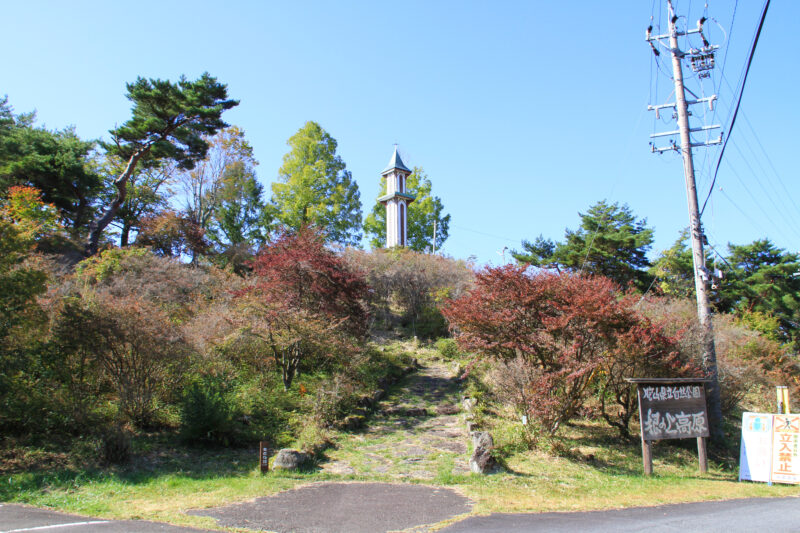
(753, 198)
(484, 234)
(784, 213)
(745, 215)
(769, 161)
(738, 103)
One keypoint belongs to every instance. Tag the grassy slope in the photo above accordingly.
(588, 468)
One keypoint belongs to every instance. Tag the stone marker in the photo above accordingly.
(469, 404)
(482, 461)
(288, 459)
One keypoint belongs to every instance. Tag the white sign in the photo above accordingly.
(755, 458)
(786, 449)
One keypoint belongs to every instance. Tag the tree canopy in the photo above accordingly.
(610, 241)
(422, 213)
(314, 187)
(169, 121)
(763, 278)
(55, 162)
(307, 302)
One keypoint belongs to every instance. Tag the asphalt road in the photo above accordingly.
(775, 515)
(20, 518)
(344, 508)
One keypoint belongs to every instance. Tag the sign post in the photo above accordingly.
(672, 408)
(783, 399)
(263, 453)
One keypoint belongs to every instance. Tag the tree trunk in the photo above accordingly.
(124, 234)
(101, 223)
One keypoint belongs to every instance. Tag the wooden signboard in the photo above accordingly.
(672, 408)
(263, 453)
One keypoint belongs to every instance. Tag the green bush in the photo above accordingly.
(431, 323)
(511, 437)
(207, 413)
(333, 401)
(231, 411)
(447, 348)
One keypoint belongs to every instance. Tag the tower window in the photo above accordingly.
(402, 225)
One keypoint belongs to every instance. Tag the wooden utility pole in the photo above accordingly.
(701, 275)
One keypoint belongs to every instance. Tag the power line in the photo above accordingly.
(787, 217)
(745, 215)
(738, 103)
(484, 234)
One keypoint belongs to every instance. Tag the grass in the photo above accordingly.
(586, 468)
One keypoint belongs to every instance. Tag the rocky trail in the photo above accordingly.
(417, 432)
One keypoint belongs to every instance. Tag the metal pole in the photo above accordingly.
(700, 273)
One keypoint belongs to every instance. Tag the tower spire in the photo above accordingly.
(396, 200)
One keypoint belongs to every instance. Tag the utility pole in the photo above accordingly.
(434, 236)
(702, 60)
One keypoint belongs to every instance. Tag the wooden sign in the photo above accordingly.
(264, 456)
(785, 452)
(672, 408)
(673, 411)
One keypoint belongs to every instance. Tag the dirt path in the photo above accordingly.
(416, 433)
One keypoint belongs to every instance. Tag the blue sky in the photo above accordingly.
(523, 114)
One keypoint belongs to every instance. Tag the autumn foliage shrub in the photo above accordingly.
(561, 337)
(306, 304)
(748, 362)
(414, 282)
(171, 234)
(133, 345)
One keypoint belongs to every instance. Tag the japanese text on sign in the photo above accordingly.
(662, 393)
(673, 411)
(676, 425)
(785, 452)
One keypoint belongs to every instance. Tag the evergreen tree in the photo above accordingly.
(240, 216)
(55, 162)
(169, 121)
(764, 279)
(610, 242)
(315, 188)
(422, 213)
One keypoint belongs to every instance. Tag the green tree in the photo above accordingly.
(422, 213)
(238, 214)
(170, 121)
(19, 311)
(610, 242)
(314, 187)
(241, 217)
(55, 162)
(19, 284)
(148, 193)
(674, 269)
(764, 279)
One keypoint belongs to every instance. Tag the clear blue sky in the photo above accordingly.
(522, 113)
